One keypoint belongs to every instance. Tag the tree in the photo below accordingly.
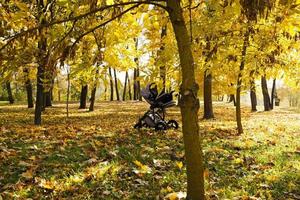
(9, 93)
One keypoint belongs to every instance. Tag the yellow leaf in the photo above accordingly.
(28, 174)
(179, 164)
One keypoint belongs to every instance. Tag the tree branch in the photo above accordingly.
(79, 17)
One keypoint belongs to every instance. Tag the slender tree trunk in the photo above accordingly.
(163, 69)
(134, 85)
(48, 99)
(253, 93)
(273, 94)
(111, 85)
(129, 87)
(83, 96)
(232, 99)
(9, 93)
(29, 93)
(93, 94)
(68, 92)
(116, 85)
(58, 90)
(189, 105)
(207, 92)
(139, 96)
(125, 85)
(253, 99)
(239, 83)
(28, 87)
(266, 97)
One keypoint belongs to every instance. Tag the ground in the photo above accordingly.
(98, 155)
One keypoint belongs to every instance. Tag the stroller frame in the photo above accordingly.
(155, 116)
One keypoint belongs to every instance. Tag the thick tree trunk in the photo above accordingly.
(266, 97)
(239, 83)
(125, 85)
(9, 93)
(207, 92)
(189, 105)
(111, 85)
(83, 96)
(116, 85)
(273, 94)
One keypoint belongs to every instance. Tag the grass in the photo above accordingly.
(98, 155)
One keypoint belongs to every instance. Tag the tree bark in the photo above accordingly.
(83, 96)
(239, 83)
(111, 85)
(207, 92)
(48, 99)
(42, 60)
(93, 94)
(125, 85)
(116, 85)
(266, 97)
(273, 94)
(29, 93)
(9, 93)
(134, 85)
(189, 105)
(253, 99)
(232, 99)
(253, 92)
(163, 69)
(129, 87)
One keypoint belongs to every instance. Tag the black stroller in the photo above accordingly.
(155, 116)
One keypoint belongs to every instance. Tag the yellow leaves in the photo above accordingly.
(238, 161)
(142, 169)
(110, 2)
(179, 165)
(175, 196)
(50, 185)
(28, 174)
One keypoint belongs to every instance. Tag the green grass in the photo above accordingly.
(98, 155)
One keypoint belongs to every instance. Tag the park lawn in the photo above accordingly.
(98, 155)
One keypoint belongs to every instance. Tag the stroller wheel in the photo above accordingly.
(160, 126)
(173, 124)
(138, 125)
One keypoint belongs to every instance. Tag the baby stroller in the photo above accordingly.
(155, 116)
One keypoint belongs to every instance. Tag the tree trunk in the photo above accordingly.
(207, 92)
(189, 105)
(93, 94)
(93, 97)
(253, 92)
(29, 93)
(134, 85)
(48, 99)
(163, 69)
(83, 96)
(253, 98)
(139, 96)
(68, 92)
(266, 97)
(273, 94)
(111, 85)
(232, 99)
(125, 85)
(129, 87)
(9, 93)
(239, 83)
(28, 87)
(116, 85)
